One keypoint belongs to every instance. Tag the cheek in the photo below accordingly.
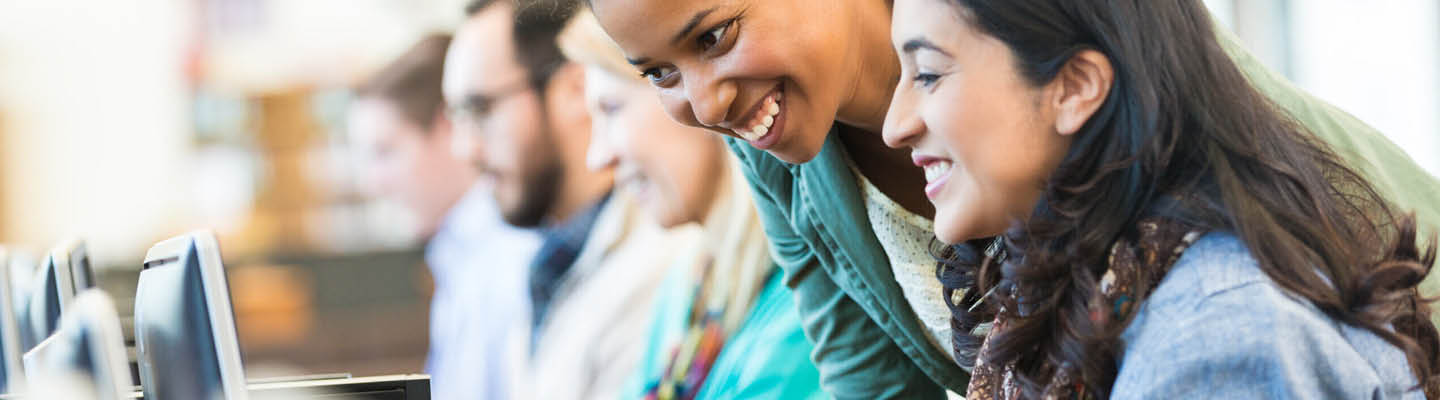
(985, 128)
(1001, 152)
(757, 59)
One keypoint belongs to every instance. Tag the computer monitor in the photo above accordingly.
(73, 257)
(185, 336)
(85, 357)
(50, 292)
(65, 272)
(12, 376)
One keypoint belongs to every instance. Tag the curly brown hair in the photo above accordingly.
(1181, 121)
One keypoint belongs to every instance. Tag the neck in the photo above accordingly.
(878, 70)
(717, 219)
(452, 191)
(890, 170)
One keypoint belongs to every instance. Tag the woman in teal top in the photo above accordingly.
(829, 71)
(724, 326)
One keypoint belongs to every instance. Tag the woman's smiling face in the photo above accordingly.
(986, 137)
(776, 74)
(673, 170)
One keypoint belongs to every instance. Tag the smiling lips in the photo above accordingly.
(762, 118)
(937, 172)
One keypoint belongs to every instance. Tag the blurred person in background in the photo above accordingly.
(479, 312)
(725, 323)
(521, 119)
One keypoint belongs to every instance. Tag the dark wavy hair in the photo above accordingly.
(1184, 136)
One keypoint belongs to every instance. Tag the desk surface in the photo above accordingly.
(396, 387)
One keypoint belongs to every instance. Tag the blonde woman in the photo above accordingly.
(725, 324)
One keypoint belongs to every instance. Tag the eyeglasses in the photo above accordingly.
(477, 108)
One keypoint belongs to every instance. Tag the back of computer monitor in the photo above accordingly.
(86, 355)
(185, 336)
(50, 292)
(12, 376)
(73, 256)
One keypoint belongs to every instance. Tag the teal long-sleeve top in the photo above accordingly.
(767, 358)
(868, 343)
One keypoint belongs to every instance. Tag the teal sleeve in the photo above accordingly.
(1393, 173)
(856, 359)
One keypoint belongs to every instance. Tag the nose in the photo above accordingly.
(903, 125)
(710, 98)
(601, 155)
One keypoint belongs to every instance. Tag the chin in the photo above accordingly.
(670, 223)
(949, 228)
(797, 153)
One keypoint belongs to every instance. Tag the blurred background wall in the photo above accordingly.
(1379, 60)
(126, 122)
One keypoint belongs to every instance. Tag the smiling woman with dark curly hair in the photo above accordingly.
(1165, 231)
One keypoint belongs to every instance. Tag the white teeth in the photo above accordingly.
(764, 123)
(744, 134)
(936, 170)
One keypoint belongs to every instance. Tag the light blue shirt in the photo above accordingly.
(481, 302)
(1218, 328)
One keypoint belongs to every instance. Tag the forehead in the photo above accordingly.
(938, 21)
(642, 26)
(482, 54)
(600, 81)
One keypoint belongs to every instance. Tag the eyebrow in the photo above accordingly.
(912, 45)
(684, 31)
(690, 26)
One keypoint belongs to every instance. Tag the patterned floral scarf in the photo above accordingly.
(1160, 243)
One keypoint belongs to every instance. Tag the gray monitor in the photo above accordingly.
(73, 257)
(64, 272)
(185, 336)
(85, 358)
(12, 376)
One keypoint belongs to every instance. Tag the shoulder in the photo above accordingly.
(1218, 326)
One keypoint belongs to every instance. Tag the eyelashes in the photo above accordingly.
(714, 38)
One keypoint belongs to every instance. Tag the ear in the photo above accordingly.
(565, 94)
(1083, 84)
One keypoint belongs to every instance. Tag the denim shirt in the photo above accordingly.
(1218, 328)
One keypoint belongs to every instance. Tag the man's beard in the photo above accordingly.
(539, 193)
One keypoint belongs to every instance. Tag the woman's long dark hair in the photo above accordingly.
(1181, 122)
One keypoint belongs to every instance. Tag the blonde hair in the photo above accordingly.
(584, 41)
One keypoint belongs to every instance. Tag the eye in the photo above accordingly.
(926, 80)
(713, 37)
(658, 76)
(609, 107)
